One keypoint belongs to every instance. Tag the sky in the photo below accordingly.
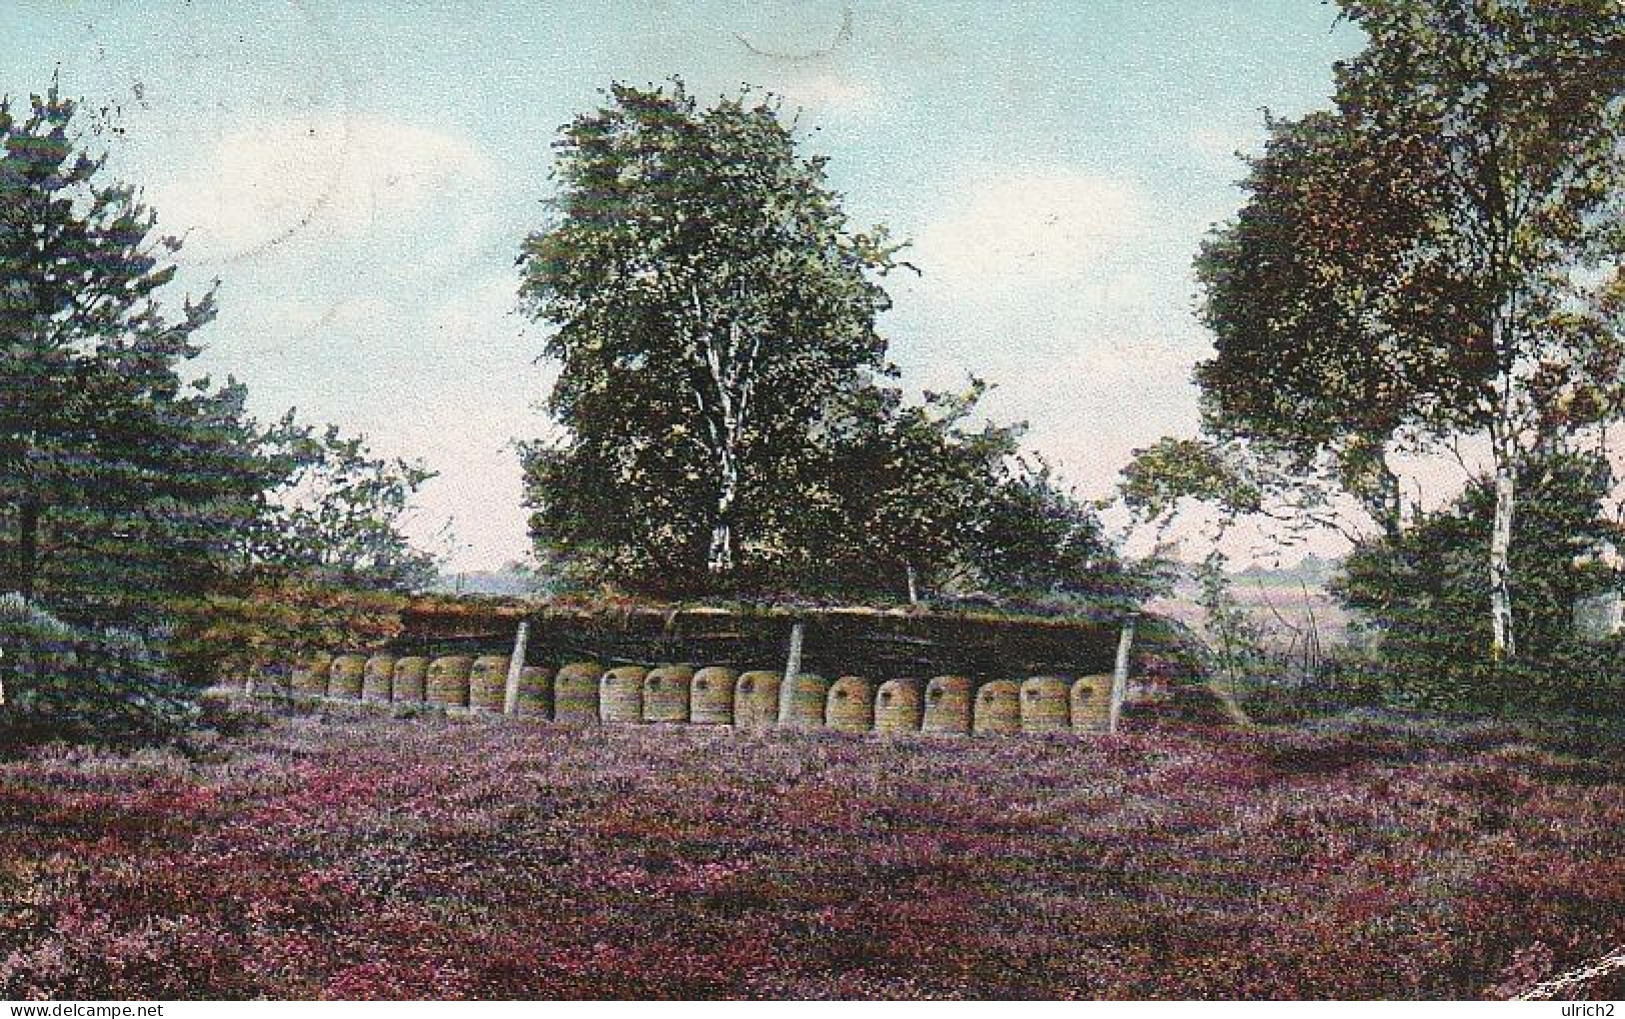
(359, 177)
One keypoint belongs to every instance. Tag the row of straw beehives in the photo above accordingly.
(587, 692)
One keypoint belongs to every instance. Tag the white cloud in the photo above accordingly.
(486, 313)
(1042, 227)
(479, 489)
(825, 92)
(1222, 144)
(326, 176)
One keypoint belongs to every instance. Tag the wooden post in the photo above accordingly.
(792, 669)
(1125, 641)
(510, 695)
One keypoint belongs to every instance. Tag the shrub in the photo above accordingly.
(1285, 689)
(236, 633)
(1425, 593)
(83, 686)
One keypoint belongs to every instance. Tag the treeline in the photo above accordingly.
(1433, 262)
(733, 425)
(1431, 270)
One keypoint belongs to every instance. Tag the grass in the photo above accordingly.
(387, 858)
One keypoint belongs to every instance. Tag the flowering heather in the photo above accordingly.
(384, 858)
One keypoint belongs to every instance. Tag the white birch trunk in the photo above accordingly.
(730, 363)
(1503, 640)
(720, 559)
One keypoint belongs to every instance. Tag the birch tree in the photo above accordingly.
(710, 307)
(1422, 263)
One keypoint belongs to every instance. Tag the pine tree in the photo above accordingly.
(123, 483)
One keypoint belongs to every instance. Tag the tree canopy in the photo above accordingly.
(1414, 266)
(724, 391)
(121, 481)
(1421, 592)
(935, 501)
(141, 506)
(337, 518)
(713, 311)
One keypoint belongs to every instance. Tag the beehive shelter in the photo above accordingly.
(535, 692)
(620, 694)
(756, 700)
(310, 676)
(808, 696)
(998, 709)
(963, 648)
(408, 685)
(447, 682)
(575, 692)
(346, 676)
(897, 706)
(378, 682)
(1091, 703)
(488, 683)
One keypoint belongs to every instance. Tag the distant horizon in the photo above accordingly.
(361, 179)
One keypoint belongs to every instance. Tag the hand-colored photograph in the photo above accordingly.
(839, 499)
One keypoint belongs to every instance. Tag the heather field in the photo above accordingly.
(368, 858)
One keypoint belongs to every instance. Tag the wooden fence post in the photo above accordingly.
(1125, 641)
(792, 669)
(510, 695)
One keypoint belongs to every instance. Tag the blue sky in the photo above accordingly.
(360, 175)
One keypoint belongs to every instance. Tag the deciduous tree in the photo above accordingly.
(338, 517)
(712, 308)
(1410, 267)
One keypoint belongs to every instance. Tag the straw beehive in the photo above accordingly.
(488, 683)
(711, 696)
(575, 692)
(998, 708)
(408, 685)
(756, 700)
(447, 682)
(1044, 705)
(808, 696)
(947, 706)
(346, 676)
(378, 681)
(666, 693)
(897, 706)
(620, 694)
(1091, 703)
(850, 706)
(310, 676)
(535, 692)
